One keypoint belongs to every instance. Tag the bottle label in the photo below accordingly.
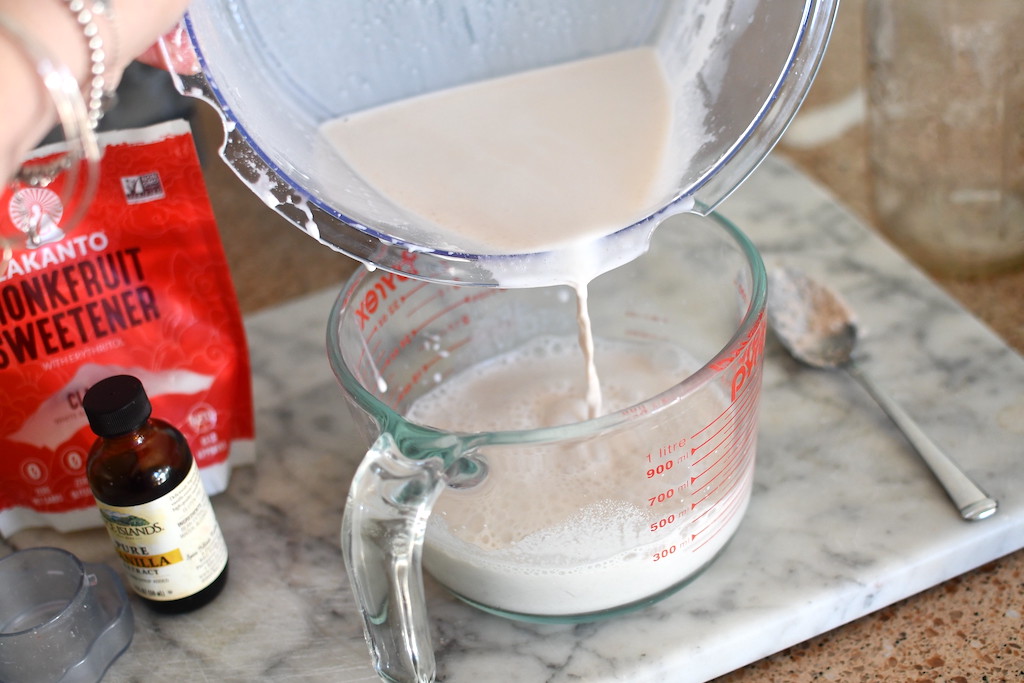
(172, 547)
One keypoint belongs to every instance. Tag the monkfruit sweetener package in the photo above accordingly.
(141, 287)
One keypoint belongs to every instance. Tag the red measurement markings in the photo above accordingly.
(373, 300)
(645, 408)
(415, 332)
(746, 394)
(731, 509)
(737, 409)
(736, 419)
(375, 296)
(751, 346)
(468, 299)
(735, 442)
(642, 334)
(727, 472)
(661, 497)
(369, 356)
(730, 453)
(383, 359)
(418, 305)
(374, 359)
(667, 521)
(749, 353)
(653, 317)
(664, 553)
(660, 469)
(726, 499)
(668, 449)
(648, 318)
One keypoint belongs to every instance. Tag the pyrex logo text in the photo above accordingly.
(375, 296)
(749, 356)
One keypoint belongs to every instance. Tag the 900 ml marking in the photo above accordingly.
(660, 469)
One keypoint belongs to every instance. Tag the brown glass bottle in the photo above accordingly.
(147, 487)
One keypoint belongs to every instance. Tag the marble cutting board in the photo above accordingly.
(844, 519)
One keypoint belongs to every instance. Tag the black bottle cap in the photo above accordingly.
(116, 405)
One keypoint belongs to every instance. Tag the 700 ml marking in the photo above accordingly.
(665, 495)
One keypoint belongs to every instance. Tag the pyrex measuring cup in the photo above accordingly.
(572, 519)
(737, 72)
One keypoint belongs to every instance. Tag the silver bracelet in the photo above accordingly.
(85, 15)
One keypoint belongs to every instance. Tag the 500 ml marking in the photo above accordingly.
(666, 522)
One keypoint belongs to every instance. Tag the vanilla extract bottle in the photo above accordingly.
(147, 487)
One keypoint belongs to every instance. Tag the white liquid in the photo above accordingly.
(586, 339)
(524, 163)
(560, 530)
(527, 163)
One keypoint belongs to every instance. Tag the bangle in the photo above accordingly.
(85, 17)
(81, 140)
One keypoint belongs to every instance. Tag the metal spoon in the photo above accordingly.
(817, 328)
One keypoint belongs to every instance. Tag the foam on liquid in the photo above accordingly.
(552, 533)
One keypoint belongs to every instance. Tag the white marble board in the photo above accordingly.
(844, 519)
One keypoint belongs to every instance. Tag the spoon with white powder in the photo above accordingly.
(818, 329)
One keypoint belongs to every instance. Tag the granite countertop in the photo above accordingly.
(965, 628)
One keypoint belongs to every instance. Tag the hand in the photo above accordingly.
(29, 111)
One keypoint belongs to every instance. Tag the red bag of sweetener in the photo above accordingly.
(141, 287)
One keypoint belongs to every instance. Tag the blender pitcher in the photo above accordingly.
(482, 462)
(737, 71)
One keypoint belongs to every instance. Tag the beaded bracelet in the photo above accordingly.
(85, 17)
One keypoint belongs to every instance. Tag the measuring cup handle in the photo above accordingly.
(382, 540)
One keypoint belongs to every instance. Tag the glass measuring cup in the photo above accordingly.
(569, 521)
(738, 70)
